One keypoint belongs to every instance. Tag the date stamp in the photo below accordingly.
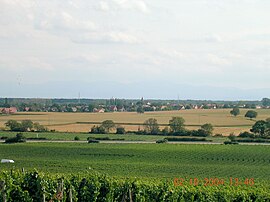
(214, 181)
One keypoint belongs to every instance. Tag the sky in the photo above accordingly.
(186, 49)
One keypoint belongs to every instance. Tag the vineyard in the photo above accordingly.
(34, 186)
(142, 160)
(134, 172)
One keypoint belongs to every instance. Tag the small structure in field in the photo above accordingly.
(7, 161)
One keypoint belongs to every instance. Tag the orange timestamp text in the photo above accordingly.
(213, 181)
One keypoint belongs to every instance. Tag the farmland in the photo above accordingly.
(143, 161)
(223, 122)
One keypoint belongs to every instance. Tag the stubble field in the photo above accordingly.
(223, 122)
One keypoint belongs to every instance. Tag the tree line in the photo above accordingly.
(175, 127)
(25, 125)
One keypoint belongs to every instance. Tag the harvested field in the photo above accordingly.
(223, 122)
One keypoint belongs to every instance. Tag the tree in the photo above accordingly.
(177, 124)
(207, 128)
(98, 130)
(108, 125)
(235, 111)
(266, 102)
(26, 125)
(140, 110)
(151, 126)
(165, 131)
(91, 107)
(39, 128)
(260, 128)
(251, 114)
(13, 125)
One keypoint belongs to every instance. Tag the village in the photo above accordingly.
(120, 105)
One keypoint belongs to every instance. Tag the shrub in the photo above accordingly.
(246, 134)
(98, 130)
(76, 138)
(18, 139)
(230, 142)
(93, 141)
(257, 140)
(161, 141)
(120, 130)
(199, 133)
(165, 131)
(188, 139)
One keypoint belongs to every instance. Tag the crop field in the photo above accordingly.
(223, 122)
(158, 161)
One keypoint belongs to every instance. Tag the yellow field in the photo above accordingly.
(222, 120)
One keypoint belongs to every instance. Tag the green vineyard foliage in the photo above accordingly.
(36, 187)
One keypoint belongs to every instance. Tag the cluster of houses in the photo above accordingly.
(147, 106)
(8, 110)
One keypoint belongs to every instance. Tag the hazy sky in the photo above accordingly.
(194, 49)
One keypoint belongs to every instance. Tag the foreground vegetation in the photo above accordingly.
(34, 186)
(142, 160)
(134, 172)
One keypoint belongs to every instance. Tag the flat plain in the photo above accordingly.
(223, 122)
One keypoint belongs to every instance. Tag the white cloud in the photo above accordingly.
(137, 5)
(103, 6)
(64, 21)
(173, 53)
(212, 38)
(107, 37)
(216, 60)
(22, 64)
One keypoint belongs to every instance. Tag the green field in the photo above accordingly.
(62, 136)
(142, 160)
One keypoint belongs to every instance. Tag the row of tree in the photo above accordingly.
(249, 114)
(151, 127)
(25, 125)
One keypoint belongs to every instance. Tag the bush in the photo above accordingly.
(165, 131)
(230, 142)
(161, 141)
(104, 138)
(18, 139)
(199, 133)
(246, 134)
(187, 139)
(76, 138)
(181, 133)
(257, 140)
(98, 130)
(120, 130)
(36, 138)
(93, 141)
